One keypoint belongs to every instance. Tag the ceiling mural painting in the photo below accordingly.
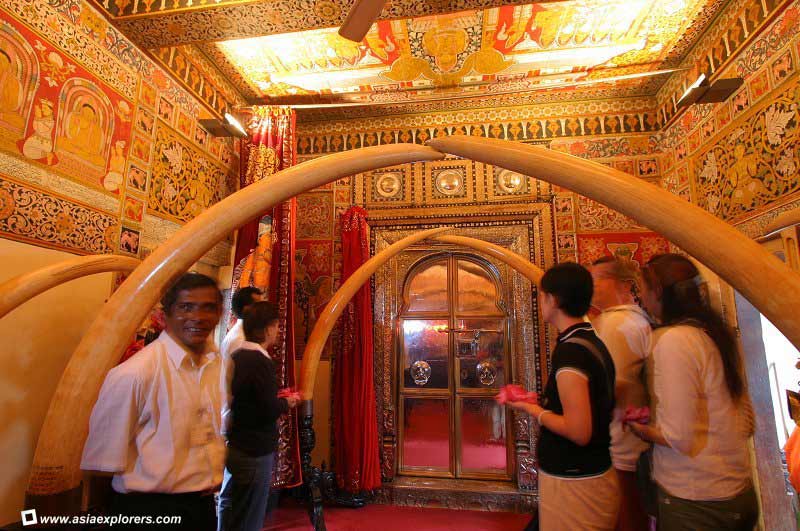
(154, 23)
(420, 55)
(492, 51)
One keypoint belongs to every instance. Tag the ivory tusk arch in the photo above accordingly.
(329, 316)
(22, 288)
(517, 262)
(327, 319)
(737, 259)
(55, 473)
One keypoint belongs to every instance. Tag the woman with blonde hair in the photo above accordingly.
(703, 417)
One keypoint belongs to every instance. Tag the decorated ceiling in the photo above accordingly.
(497, 50)
(419, 51)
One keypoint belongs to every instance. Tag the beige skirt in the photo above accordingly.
(577, 504)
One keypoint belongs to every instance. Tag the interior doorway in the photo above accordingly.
(452, 337)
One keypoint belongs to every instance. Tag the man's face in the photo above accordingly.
(193, 317)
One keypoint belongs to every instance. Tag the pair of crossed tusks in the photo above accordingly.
(771, 286)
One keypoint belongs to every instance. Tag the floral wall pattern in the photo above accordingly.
(741, 156)
(29, 214)
(84, 116)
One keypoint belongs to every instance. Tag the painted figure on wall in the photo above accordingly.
(40, 144)
(84, 135)
(10, 85)
(116, 167)
(19, 73)
(85, 126)
(742, 177)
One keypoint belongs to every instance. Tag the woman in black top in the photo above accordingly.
(578, 487)
(252, 434)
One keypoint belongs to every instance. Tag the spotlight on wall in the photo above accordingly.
(230, 126)
(702, 91)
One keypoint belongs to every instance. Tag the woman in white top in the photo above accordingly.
(702, 416)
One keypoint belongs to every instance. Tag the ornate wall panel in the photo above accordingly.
(80, 108)
(33, 215)
(637, 247)
(184, 181)
(733, 46)
(741, 156)
(330, 137)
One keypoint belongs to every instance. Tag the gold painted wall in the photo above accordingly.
(38, 338)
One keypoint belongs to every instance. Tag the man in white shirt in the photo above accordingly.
(625, 329)
(242, 299)
(156, 424)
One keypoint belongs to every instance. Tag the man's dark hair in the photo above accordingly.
(242, 299)
(257, 317)
(188, 281)
(571, 285)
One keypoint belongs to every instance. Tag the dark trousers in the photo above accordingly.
(736, 514)
(196, 510)
(245, 491)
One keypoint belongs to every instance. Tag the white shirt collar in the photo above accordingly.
(629, 307)
(178, 354)
(249, 345)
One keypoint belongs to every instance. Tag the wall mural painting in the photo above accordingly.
(19, 77)
(56, 113)
(637, 247)
(313, 287)
(728, 43)
(594, 216)
(316, 221)
(30, 214)
(755, 161)
(183, 181)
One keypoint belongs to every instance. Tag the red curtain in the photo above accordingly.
(265, 250)
(355, 418)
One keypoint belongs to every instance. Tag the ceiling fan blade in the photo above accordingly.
(362, 15)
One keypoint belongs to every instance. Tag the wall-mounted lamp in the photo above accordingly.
(228, 127)
(702, 91)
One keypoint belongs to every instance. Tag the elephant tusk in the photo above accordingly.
(22, 288)
(764, 280)
(56, 462)
(327, 319)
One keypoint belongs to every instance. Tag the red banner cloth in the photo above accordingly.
(265, 250)
(355, 418)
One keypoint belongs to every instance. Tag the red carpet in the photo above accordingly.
(395, 518)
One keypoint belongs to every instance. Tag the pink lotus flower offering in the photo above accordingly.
(516, 393)
(289, 392)
(637, 414)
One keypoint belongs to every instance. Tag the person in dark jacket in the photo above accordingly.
(252, 436)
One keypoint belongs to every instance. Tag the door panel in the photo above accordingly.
(453, 352)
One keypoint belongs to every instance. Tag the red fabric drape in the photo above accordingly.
(355, 418)
(265, 250)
